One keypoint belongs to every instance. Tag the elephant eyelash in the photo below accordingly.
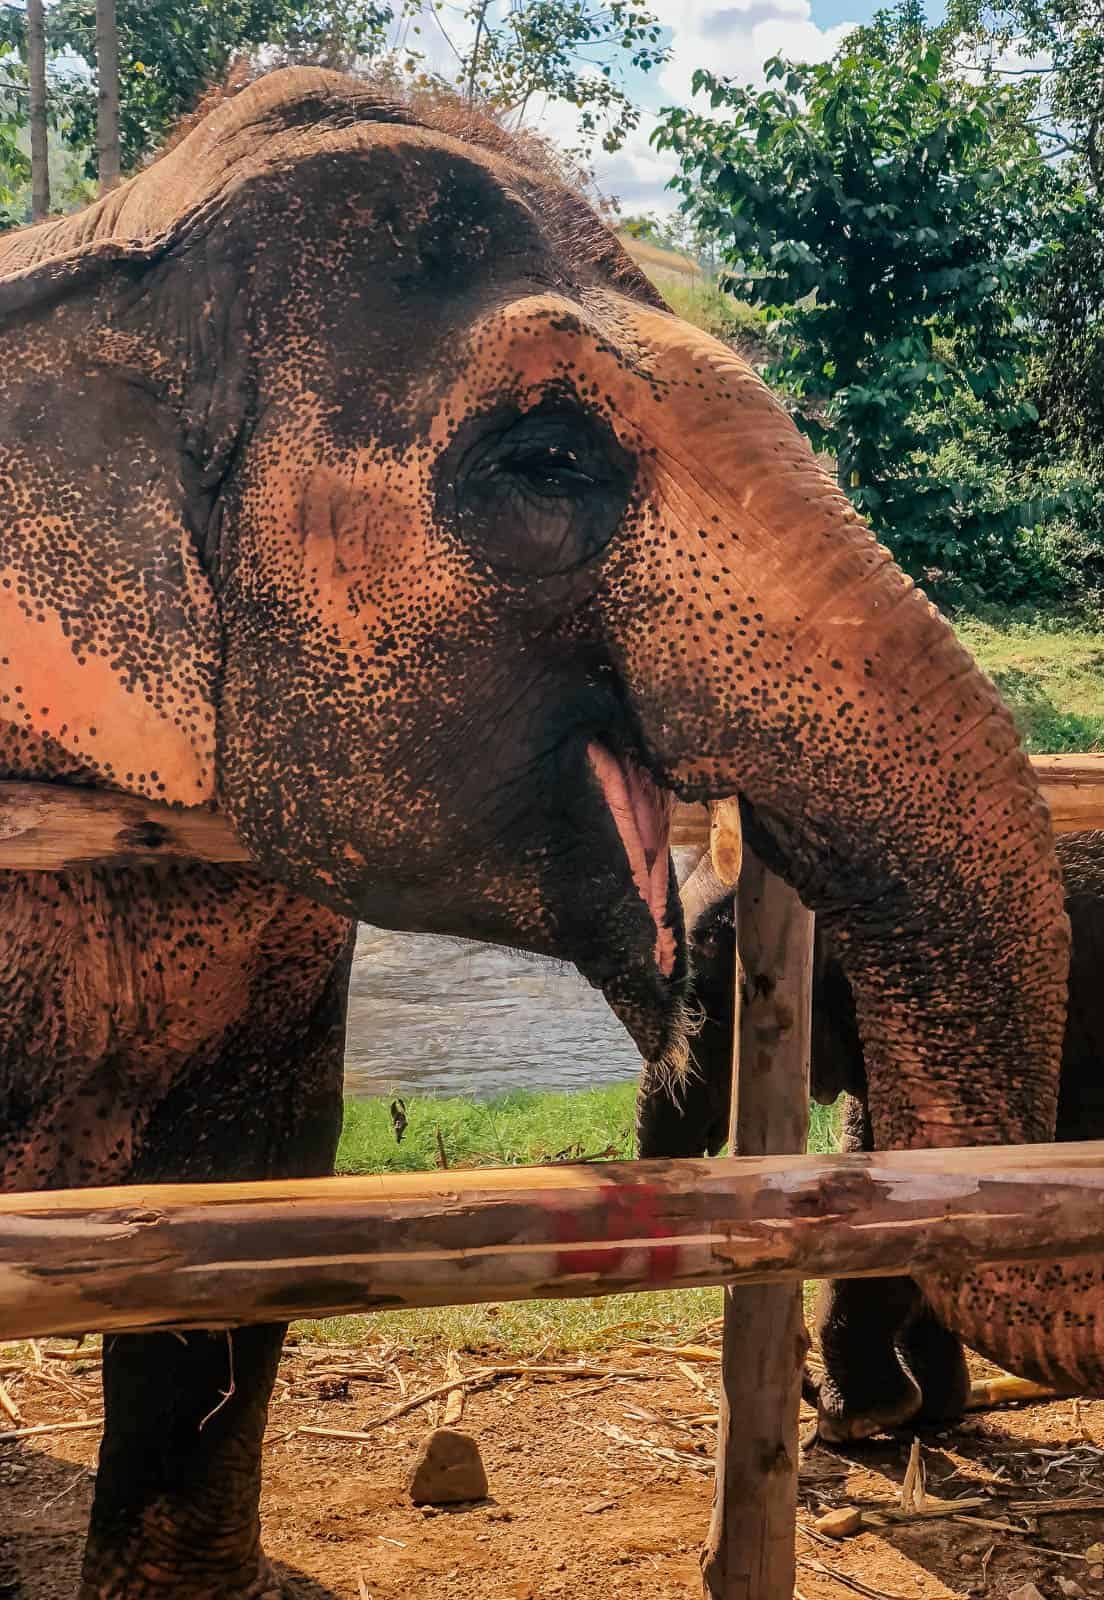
(552, 473)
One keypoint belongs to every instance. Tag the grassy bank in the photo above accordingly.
(512, 1130)
(517, 1129)
(1050, 671)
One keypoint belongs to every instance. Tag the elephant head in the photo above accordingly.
(355, 481)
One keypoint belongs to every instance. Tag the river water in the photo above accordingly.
(449, 1017)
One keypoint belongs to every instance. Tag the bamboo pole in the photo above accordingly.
(749, 1554)
(50, 828)
(210, 1255)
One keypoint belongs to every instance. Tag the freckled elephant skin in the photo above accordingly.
(354, 481)
(861, 1322)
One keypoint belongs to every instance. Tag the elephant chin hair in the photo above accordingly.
(675, 1068)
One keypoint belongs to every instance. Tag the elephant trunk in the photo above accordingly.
(797, 666)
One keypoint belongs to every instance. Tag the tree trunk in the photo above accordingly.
(473, 64)
(36, 66)
(107, 100)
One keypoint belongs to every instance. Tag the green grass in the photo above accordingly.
(1050, 671)
(517, 1129)
(512, 1130)
(706, 306)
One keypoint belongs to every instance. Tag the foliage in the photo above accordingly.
(674, 232)
(1054, 49)
(1068, 378)
(568, 50)
(897, 214)
(15, 168)
(170, 51)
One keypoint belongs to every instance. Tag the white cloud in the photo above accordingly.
(637, 175)
(734, 38)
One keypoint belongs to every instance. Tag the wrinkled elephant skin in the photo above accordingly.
(352, 479)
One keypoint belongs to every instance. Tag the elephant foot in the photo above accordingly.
(857, 1415)
(267, 1586)
(145, 1580)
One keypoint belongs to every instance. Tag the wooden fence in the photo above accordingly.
(206, 1255)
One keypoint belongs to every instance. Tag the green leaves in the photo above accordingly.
(570, 50)
(15, 168)
(170, 51)
(892, 207)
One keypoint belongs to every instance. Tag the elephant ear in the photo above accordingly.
(109, 637)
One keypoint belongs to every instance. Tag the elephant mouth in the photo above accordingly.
(641, 813)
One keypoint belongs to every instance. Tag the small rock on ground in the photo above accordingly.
(841, 1523)
(449, 1470)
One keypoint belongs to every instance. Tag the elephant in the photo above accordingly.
(355, 484)
(887, 1357)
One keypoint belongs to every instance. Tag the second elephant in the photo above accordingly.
(886, 1356)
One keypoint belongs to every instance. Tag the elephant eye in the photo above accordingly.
(551, 471)
(540, 493)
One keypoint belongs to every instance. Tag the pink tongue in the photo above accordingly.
(642, 813)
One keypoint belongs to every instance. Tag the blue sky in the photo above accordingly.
(732, 37)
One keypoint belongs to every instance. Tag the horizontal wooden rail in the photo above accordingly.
(203, 1255)
(49, 827)
(1073, 788)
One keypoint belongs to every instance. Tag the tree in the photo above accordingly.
(1055, 52)
(568, 50)
(170, 51)
(1069, 310)
(675, 232)
(36, 75)
(896, 213)
(1053, 49)
(14, 166)
(107, 95)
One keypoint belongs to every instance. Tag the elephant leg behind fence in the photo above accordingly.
(176, 1509)
(887, 1357)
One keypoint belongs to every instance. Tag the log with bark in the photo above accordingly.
(750, 1548)
(204, 1255)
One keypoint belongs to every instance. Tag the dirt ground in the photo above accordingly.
(599, 1486)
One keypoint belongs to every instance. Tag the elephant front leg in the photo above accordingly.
(936, 1359)
(176, 1509)
(860, 1325)
(865, 1388)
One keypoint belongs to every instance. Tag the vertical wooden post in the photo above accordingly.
(750, 1553)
